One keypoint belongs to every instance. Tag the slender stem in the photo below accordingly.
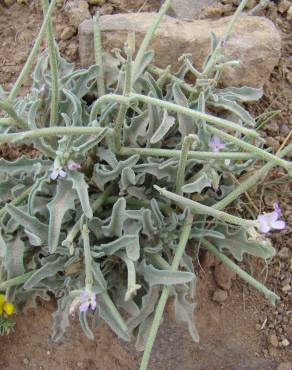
(16, 280)
(271, 296)
(87, 258)
(171, 107)
(50, 131)
(186, 229)
(6, 121)
(225, 37)
(123, 107)
(33, 53)
(147, 39)
(16, 201)
(98, 55)
(180, 175)
(249, 147)
(53, 67)
(196, 207)
(250, 182)
(173, 153)
(7, 107)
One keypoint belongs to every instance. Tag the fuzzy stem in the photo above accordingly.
(173, 153)
(196, 207)
(186, 229)
(87, 258)
(7, 107)
(33, 53)
(180, 175)
(6, 121)
(53, 67)
(50, 131)
(249, 147)
(147, 38)
(123, 107)
(271, 296)
(170, 107)
(16, 201)
(98, 55)
(16, 280)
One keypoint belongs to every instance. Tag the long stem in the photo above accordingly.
(98, 55)
(249, 147)
(53, 67)
(149, 35)
(51, 131)
(123, 107)
(33, 53)
(173, 153)
(180, 176)
(199, 208)
(186, 229)
(271, 296)
(7, 107)
(16, 280)
(6, 121)
(87, 258)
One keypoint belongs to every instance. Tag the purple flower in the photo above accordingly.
(87, 300)
(73, 166)
(57, 172)
(269, 221)
(216, 144)
(277, 208)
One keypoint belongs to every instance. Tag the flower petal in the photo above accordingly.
(84, 306)
(279, 225)
(54, 174)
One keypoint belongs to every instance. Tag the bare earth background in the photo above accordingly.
(242, 332)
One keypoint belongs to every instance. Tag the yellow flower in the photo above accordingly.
(8, 308)
(2, 299)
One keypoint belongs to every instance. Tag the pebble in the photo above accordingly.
(284, 6)
(223, 276)
(274, 340)
(25, 361)
(219, 295)
(284, 129)
(67, 33)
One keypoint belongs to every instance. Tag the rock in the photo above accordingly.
(256, 42)
(285, 343)
(209, 260)
(96, 2)
(284, 253)
(273, 340)
(77, 12)
(214, 11)
(284, 6)
(187, 9)
(223, 276)
(289, 13)
(285, 366)
(67, 33)
(219, 295)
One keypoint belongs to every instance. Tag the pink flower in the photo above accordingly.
(269, 221)
(216, 144)
(87, 300)
(57, 172)
(73, 166)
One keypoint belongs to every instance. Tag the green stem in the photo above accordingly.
(147, 38)
(186, 229)
(249, 147)
(123, 107)
(271, 296)
(33, 53)
(16, 280)
(98, 55)
(170, 107)
(6, 121)
(7, 107)
(87, 258)
(173, 153)
(53, 67)
(180, 175)
(196, 207)
(50, 131)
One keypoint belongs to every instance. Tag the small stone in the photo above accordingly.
(96, 2)
(284, 253)
(25, 361)
(285, 343)
(219, 295)
(9, 2)
(273, 127)
(223, 276)
(107, 9)
(284, 129)
(286, 288)
(289, 14)
(187, 9)
(284, 6)
(67, 33)
(214, 11)
(251, 4)
(71, 51)
(77, 13)
(284, 366)
(209, 260)
(273, 340)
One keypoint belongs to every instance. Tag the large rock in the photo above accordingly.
(255, 41)
(187, 9)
